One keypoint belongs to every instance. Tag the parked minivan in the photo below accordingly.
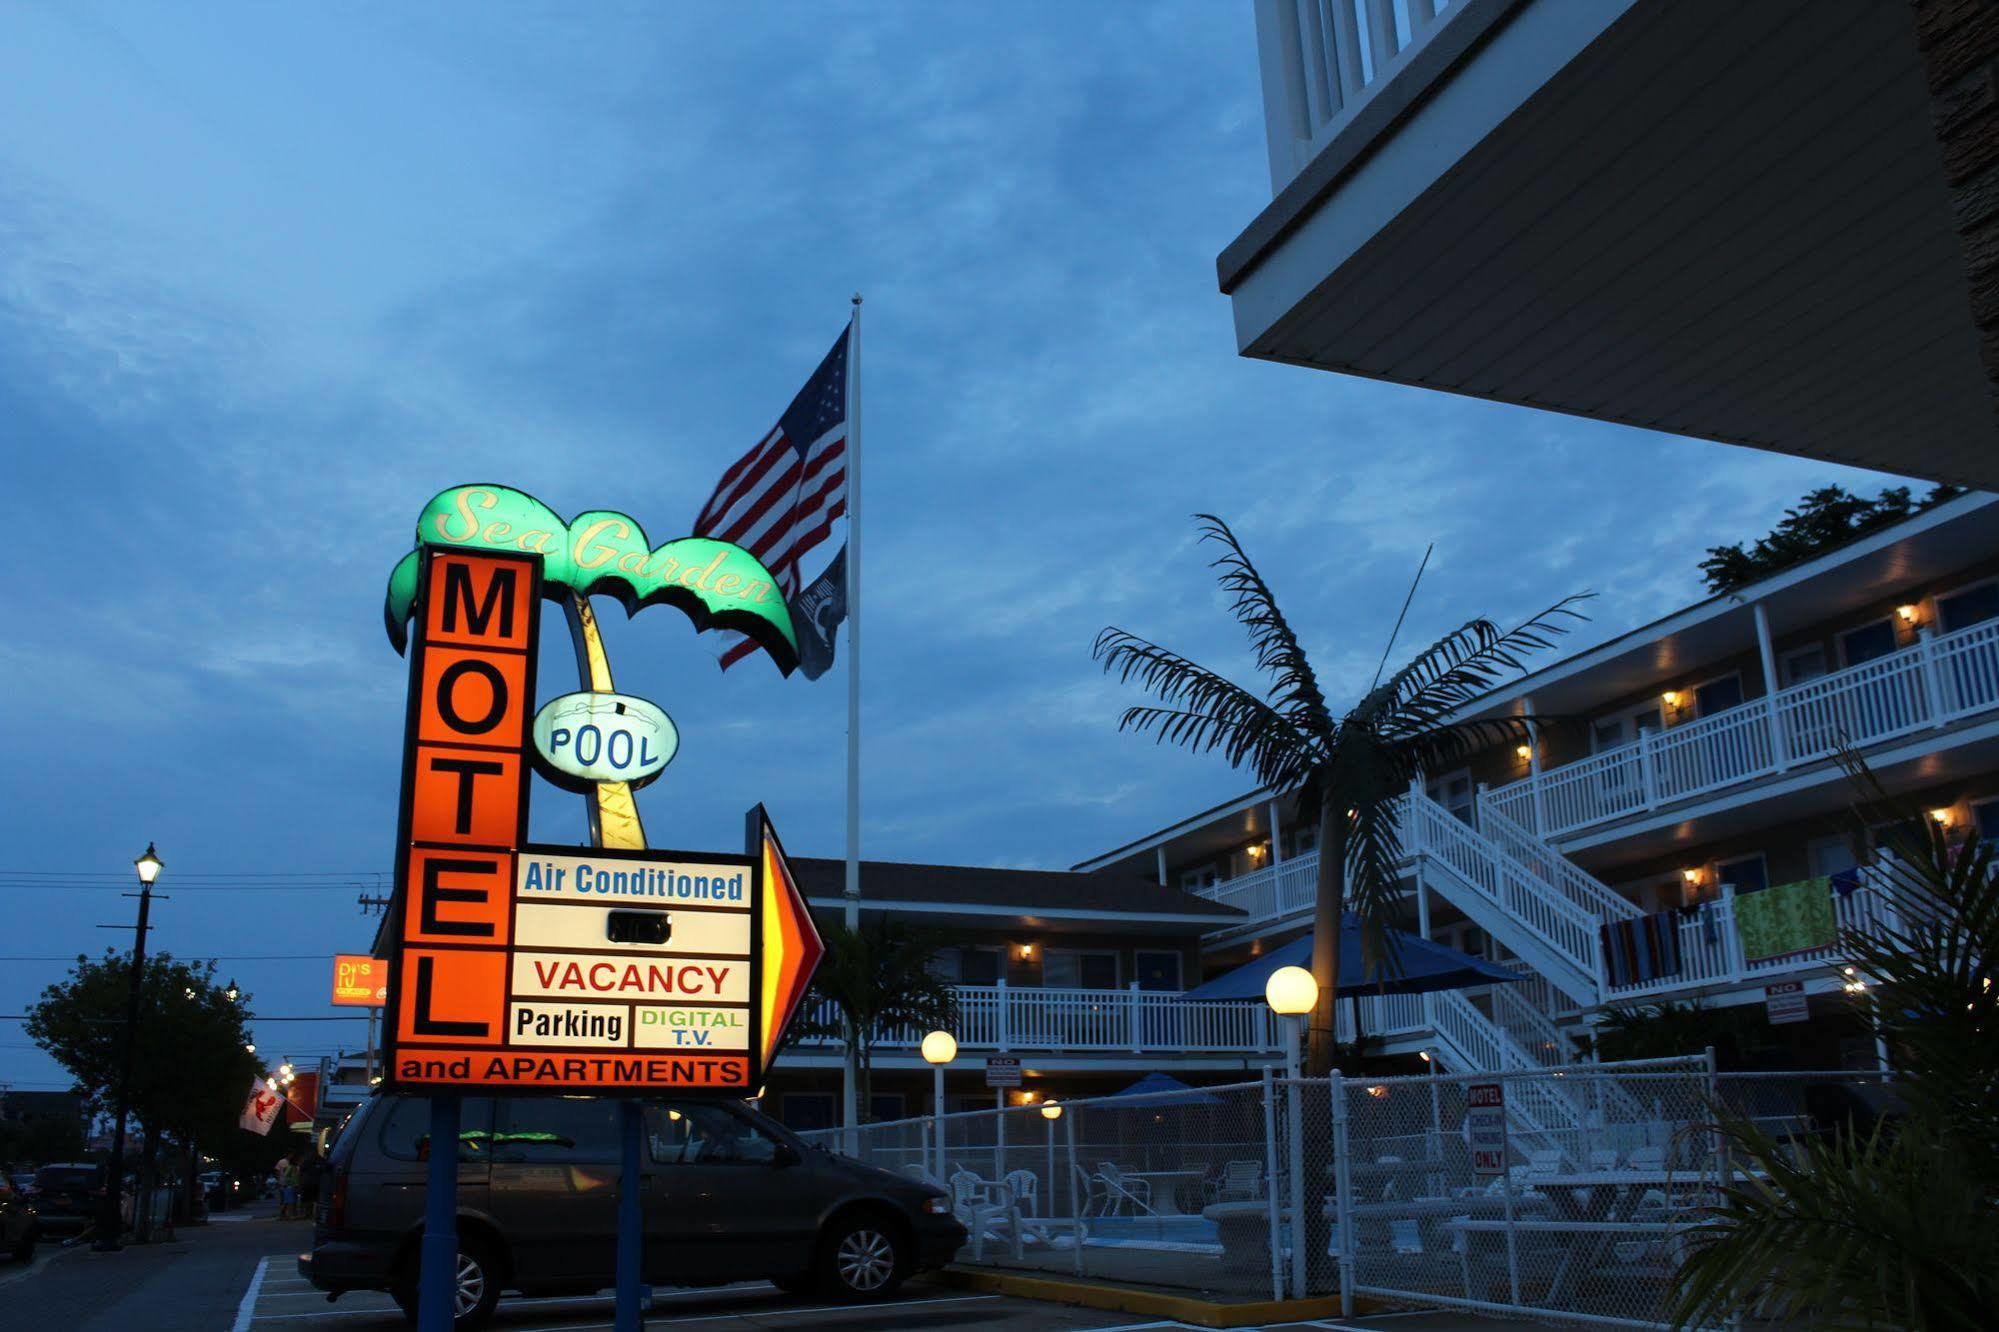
(729, 1195)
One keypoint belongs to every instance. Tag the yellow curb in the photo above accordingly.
(1159, 1304)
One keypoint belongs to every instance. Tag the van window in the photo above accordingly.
(697, 1132)
(559, 1130)
(406, 1129)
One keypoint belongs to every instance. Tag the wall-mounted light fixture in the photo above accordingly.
(1027, 952)
(1526, 752)
(1671, 698)
(1942, 816)
(1909, 614)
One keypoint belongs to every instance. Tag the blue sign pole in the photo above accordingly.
(437, 1276)
(631, 1221)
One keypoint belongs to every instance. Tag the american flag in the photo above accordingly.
(781, 498)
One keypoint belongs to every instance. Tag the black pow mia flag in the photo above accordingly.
(816, 613)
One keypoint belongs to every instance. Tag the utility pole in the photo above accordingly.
(109, 1225)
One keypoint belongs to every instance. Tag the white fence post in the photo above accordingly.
(1270, 1188)
(1294, 1142)
(1342, 1189)
(1137, 1021)
(1926, 644)
(1648, 782)
(1003, 1036)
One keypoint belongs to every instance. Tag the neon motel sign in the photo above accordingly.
(557, 969)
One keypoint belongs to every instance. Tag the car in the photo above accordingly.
(68, 1195)
(220, 1190)
(20, 1226)
(22, 1180)
(729, 1195)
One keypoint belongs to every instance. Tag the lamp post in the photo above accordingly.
(939, 1049)
(109, 1226)
(1292, 993)
(1051, 1111)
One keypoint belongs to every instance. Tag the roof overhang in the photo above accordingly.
(1724, 222)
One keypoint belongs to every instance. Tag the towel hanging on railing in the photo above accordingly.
(1642, 948)
(1786, 920)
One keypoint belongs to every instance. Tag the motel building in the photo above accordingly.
(1696, 771)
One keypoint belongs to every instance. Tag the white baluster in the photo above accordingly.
(1004, 1034)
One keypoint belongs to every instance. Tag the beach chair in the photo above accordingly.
(1124, 1190)
(988, 1210)
(1241, 1181)
(1093, 1198)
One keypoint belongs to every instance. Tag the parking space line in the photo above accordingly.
(884, 1307)
(248, 1308)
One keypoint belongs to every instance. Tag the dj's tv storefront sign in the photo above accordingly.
(559, 969)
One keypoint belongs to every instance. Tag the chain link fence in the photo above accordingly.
(1562, 1193)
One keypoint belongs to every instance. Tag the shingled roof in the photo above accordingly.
(1015, 890)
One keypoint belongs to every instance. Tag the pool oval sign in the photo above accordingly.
(583, 739)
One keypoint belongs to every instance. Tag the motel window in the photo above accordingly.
(1969, 606)
(1867, 642)
(1624, 728)
(1302, 839)
(1748, 874)
(1194, 880)
(1718, 696)
(559, 1131)
(968, 966)
(885, 1106)
(1158, 970)
(1068, 969)
(1806, 663)
(406, 1129)
(1985, 818)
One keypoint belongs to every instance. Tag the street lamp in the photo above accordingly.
(1051, 1111)
(109, 1223)
(939, 1049)
(1292, 993)
(232, 994)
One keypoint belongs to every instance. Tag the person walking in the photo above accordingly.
(288, 1187)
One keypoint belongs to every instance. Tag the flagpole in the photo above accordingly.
(849, 1089)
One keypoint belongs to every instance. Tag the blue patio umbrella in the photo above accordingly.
(1424, 966)
(1155, 1084)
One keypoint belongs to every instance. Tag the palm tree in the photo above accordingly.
(1347, 771)
(1898, 1226)
(876, 979)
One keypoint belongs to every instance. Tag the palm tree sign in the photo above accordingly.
(1347, 771)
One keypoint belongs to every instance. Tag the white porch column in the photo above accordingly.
(1768, 656)
(1534, 766)
(1276, 833)
(1160, 852)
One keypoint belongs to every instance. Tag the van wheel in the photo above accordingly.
(862, 1258)
(477, 1290)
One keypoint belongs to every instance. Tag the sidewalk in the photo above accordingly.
(192, 1283)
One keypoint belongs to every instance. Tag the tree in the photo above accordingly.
(1898, 1226)
(1347, 771)
(1825, 518)
(190, 1071)
(877, 979)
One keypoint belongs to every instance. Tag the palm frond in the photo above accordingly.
(1295, 687)
(1426, 744)
(1212, 711)
(1465, 664)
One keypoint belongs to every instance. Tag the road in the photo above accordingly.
(239, 1274)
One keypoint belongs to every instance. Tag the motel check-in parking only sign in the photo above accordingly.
(561, 969)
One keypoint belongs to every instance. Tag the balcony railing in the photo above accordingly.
(1938, 681)
(1008, 1018)
(1711, 954)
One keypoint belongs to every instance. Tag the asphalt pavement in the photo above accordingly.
(239, 1274)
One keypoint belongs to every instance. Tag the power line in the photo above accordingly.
(44, 885)
(204, 874)
(184, 957)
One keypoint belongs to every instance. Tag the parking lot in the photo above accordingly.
(280, 1299)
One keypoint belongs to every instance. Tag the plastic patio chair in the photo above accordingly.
(1123, 1189)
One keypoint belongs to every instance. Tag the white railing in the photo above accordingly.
(1323, 59)
(1275, 891)
(1507, 886)
(1583, 889)
(1937, 681)
(1711, 953)
(1004, 1018)
(1384, 1016)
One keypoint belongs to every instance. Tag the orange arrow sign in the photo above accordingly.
(791, 943)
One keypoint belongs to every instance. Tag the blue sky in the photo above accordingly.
(270, 276)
